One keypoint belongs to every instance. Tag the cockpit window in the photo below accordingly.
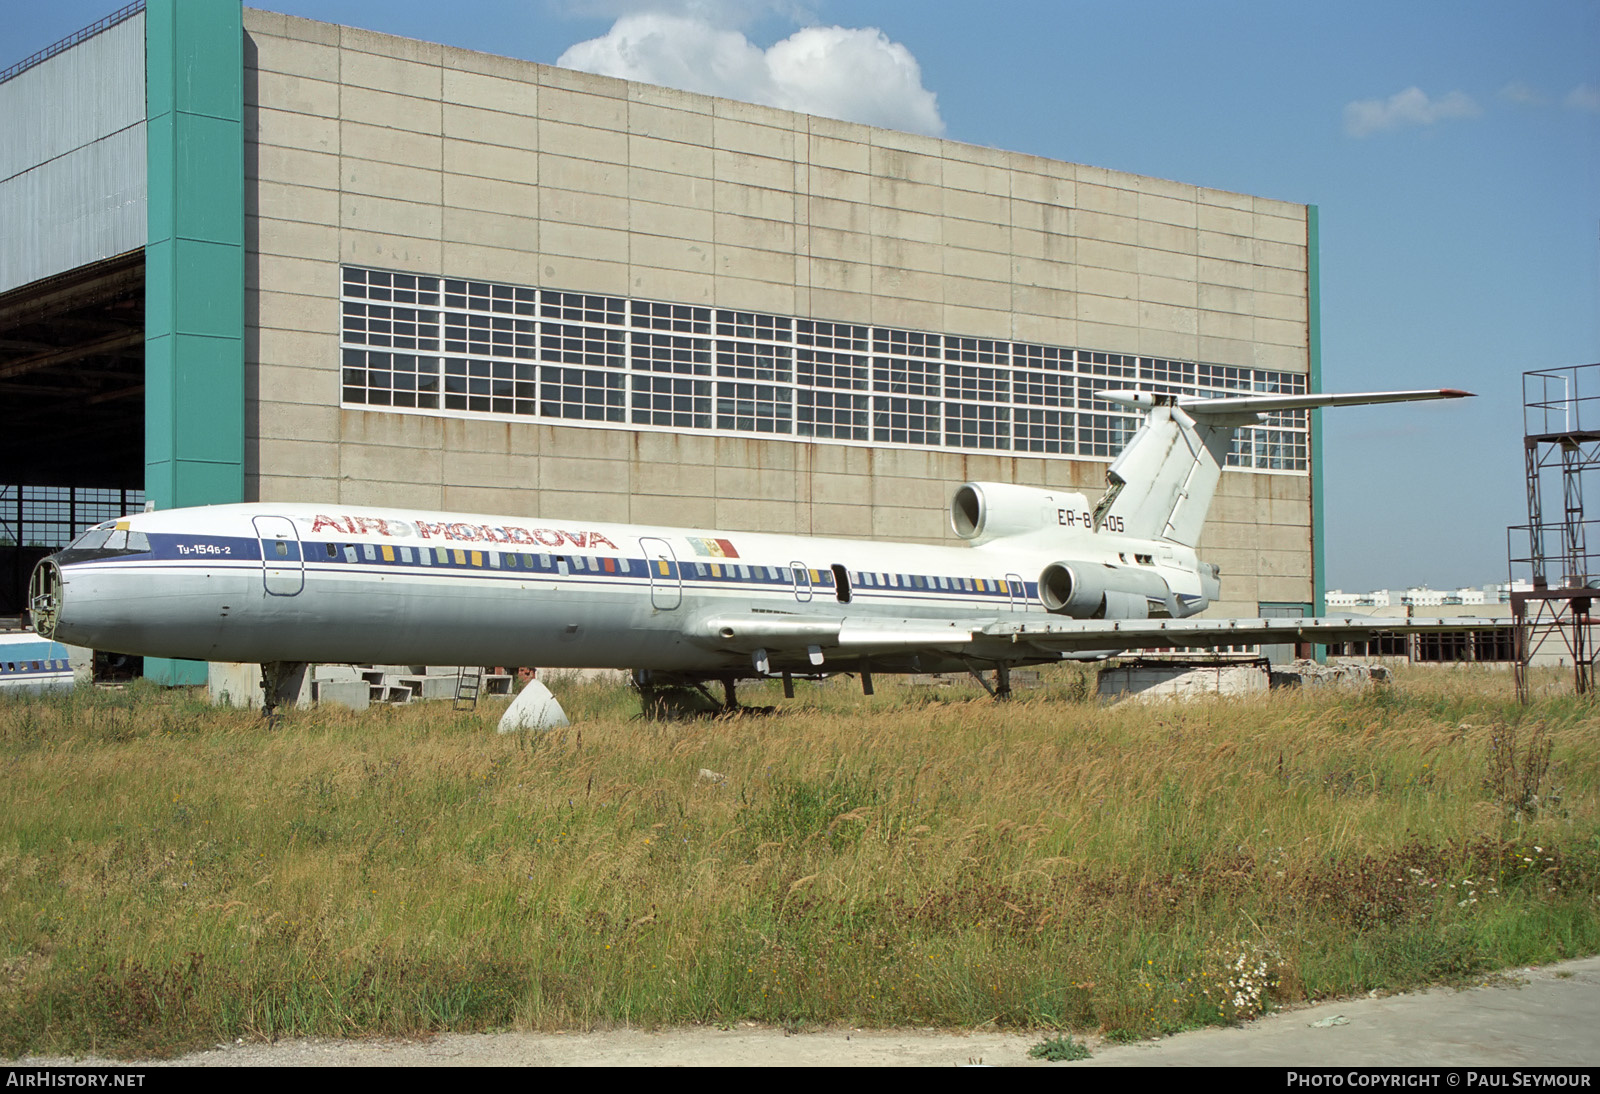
(106, 542)
(92, 540)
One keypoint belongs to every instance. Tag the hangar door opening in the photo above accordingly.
(72, 385)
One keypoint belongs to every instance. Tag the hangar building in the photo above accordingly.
(247, 256)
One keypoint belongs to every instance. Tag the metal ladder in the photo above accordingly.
(469, 679)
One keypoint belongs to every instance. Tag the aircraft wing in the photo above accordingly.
(1070, 635)
(1000, 640)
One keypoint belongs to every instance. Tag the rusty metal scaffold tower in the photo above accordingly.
(1555, 582)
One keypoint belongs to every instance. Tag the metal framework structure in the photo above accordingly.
(1561, 439)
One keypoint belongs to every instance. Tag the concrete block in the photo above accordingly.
(654, 281)
(431, 687)
(765, 171)
(589, 242)
(297, 94)
(294, 166)
(1285, 256)
(671, 121)
(490, 161)
(668, 98)
(776, 296)
(295, 239)
(386, 73)
(420, 220)
(578, 98)
(514, 232)
(280, 54)
(389, 693)
(1153, 680)
(487, 92)
(382, 144)
(581, 175)
(382, 108)
(355, 694)
(232, 684)
(671, 156)
(671, 221)
(490, 127)
(284, 201)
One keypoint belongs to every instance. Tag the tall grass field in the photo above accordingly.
(173, 875)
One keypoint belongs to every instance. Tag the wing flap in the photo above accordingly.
(1069, 635)
(751, 631)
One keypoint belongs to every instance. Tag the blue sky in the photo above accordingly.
(1453, 149)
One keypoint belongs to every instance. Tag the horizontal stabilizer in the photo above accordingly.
(1262, 404)
(1234, 405)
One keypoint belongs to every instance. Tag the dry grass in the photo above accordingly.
(173, 875)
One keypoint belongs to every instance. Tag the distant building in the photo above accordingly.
(1492, 645)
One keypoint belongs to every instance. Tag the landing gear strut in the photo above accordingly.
(1001, 690)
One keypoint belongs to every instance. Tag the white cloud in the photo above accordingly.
(719, 13)
(853, 73)
(1584, 97)
(1521, 94)
(1409, 107)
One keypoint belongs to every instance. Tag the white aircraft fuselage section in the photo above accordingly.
(1042, 576)
(279, 582)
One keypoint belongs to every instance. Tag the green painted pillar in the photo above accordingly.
(194, 264)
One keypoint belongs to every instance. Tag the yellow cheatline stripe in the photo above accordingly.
(122, 526)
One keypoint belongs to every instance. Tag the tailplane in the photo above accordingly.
(1160, 486)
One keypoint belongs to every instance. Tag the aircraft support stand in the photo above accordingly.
(281, 681)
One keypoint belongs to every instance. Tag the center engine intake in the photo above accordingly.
(1095, 590)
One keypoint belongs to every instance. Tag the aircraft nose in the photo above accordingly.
(44, 596)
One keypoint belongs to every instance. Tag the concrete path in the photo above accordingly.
(1530, 1017)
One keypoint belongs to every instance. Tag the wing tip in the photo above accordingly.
(1455, 393)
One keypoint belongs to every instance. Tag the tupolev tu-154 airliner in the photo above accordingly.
(1043, 576)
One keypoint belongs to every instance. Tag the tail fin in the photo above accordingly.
(1160, 486)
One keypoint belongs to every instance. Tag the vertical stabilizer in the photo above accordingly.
(1161, 484)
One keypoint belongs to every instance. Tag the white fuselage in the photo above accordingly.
(31, 663)
(284, 582)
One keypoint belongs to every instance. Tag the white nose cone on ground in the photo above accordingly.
(533, 708)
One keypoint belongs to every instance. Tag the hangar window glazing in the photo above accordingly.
(448, 346)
